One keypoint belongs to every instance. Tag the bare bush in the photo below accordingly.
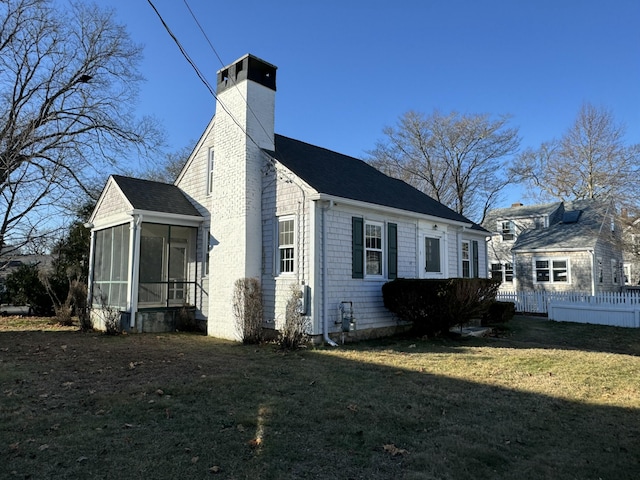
(295, 332)
(247, 309)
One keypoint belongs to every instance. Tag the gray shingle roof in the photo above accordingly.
(342, 176)
(582, 233)
(155, 196)
(517, 212)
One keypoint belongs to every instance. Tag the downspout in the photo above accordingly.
(325, 269)
(593, 271)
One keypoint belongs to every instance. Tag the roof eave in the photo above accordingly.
(170, 218)
(392, 210)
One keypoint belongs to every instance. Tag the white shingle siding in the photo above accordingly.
(283, 195)
(112, 203)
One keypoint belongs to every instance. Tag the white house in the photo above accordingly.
(250, 203)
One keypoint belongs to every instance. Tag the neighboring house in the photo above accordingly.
(563, 246)
(631, 248)
(250, 203)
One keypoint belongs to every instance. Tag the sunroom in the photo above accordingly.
(144, 270)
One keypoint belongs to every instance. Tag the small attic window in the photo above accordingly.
(224, 75)
(571, 216)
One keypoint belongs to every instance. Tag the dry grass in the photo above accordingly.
(544, 400)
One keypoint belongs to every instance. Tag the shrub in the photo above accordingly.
(294, 333)
(435, 306)
(247, 309)
(24, 287)
(499, 312)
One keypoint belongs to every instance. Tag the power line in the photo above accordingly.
(199, 73)
(223, 64)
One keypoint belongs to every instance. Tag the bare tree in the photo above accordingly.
(168, 169)
(68, 81)
(458, 159)
(590, 160)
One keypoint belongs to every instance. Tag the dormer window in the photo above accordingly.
(507, 230)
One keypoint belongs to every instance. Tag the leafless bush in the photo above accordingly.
(294, 333)
(247, 309)
(110, 317)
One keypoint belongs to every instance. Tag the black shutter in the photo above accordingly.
(476, 263)
(392, 251)
(357, 250)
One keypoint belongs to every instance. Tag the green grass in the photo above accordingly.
(542, 400)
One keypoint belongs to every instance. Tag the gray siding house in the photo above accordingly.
(563, 246)
(253, 204)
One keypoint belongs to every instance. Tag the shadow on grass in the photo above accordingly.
(534, 332)
(184, 406)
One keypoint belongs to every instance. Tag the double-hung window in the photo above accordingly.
(507, 230)
(286, 245)
(502, 272)
(469, 254)
(551, 270)
(373, 248)
(615, 271)
(466, 259)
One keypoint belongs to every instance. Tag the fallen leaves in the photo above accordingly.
(393, 450)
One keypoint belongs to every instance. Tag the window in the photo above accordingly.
(501, 272)
(368, 244)
(600, 271)
(507, 230)
(508, 272)
(286, 245)
(627, 273)
(496, 271)
(615, 271)
(466, 259)
(470, 259)
(547, 270)
(210, 173)
(373, 248)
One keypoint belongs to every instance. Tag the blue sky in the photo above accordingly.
(347, 69)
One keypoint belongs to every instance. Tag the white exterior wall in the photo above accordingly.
(236, 212)
(112, 207)
(284, 195)
(366, 294)
(193, 182)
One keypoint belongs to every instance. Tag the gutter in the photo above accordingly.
(393, 210)
(325, 269)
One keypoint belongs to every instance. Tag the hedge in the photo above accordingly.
(435, 306)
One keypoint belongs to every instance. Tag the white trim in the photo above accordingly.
(389, 211)
(279, 220)
(383, 244)
(551, 269)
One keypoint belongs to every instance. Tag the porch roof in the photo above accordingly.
(155, 196)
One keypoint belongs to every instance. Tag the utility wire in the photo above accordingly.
(195, 19)
(199, 73)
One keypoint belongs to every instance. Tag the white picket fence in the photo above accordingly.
(620, 309)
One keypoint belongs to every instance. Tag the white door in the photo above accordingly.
(432, 261)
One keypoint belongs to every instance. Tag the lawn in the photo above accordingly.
(541, 400)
